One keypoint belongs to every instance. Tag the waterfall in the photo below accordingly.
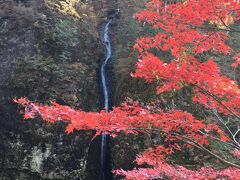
(108, 52)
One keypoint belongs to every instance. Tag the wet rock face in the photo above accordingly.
(52, 156)
(31, 66)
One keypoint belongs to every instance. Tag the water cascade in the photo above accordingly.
(108, 52)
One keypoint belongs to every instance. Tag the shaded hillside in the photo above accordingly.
(50, 50)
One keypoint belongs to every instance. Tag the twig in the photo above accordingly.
(232, 29)
(231, 144)
(215, 28)
(210, 152)
(216, 99)
(225, 125)
(191, 142)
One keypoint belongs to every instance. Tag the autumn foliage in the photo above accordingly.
(185, 30)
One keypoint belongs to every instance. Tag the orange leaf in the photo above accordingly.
(69, 128)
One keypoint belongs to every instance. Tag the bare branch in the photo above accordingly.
(228, 143)
(191, 142)
(210, 152)
(216, 99)
(228, 129)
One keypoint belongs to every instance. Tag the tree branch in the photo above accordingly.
(195, 144)
(216, 99)
(229, 130)
(230, 144)
(216, 29)
(191, 142)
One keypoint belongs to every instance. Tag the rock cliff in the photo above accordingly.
(50, 50)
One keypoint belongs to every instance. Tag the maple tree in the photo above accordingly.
(185, 29)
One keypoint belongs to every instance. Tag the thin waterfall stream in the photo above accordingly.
(108, 53)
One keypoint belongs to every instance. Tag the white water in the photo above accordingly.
(108, 53)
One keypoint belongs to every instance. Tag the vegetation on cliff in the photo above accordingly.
(185, 31)
(50, 50)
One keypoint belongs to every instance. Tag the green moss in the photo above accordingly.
(35, 71)
(64, 36)
(46, 79)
